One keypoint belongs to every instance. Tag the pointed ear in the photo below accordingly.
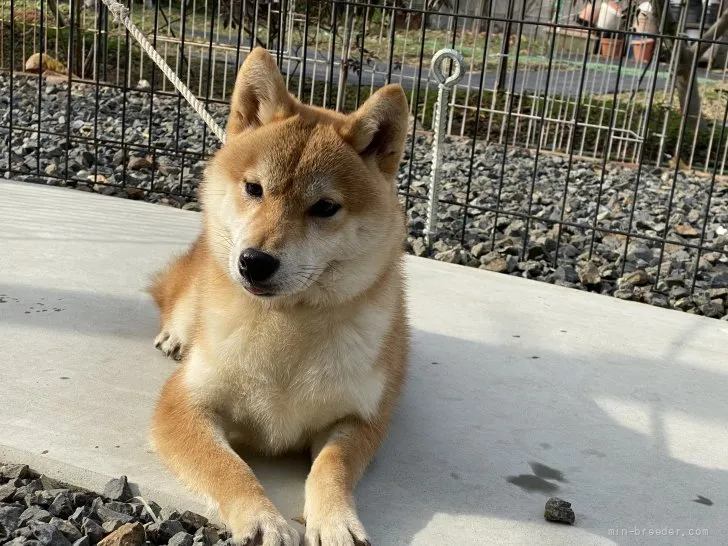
(378, 128)
(260, 94)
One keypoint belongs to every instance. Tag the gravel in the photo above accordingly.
(93, 519)
(501, 179)
(559, 511)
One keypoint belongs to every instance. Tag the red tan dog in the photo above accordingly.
(288, 312)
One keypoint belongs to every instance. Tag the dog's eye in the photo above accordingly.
(254, 189)
(324, 208)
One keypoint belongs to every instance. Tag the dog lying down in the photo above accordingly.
(288, 312)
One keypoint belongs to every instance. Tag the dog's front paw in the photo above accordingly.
(261, 526)
(334, 527)
(171, 344)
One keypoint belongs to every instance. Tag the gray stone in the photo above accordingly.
(685, 303)
(181, 539)
(558, 510)
(453, 256)
(118, 489)
(107, 514)
(718, 293)
(719, 280)
(93, 530)
(206, 536)
(419, 247)
(161, 532)
(657, 299)
(121, 507)
(62, 505)
(624, 294)
(83, 541)
(480, 249)
(82, 498)
(112, 525)
(493, 261)
(589, 274)
(48, 535)
(7, 491)
(68, 529)
(78, 514)
(35, 513)
(713, 309)
(10, 517)
(192, 521)
(49, 483)
(678, 292)
(639, 252)
(11, 471)
(639, 277)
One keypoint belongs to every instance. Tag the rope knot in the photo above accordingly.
(118, 10)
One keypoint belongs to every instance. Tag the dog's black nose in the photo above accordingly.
(256, 266)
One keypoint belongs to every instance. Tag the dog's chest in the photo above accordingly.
(292, 382)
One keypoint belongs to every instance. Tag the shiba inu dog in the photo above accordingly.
(288, 312)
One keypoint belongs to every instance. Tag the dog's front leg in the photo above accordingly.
(189, 439)
(339, 458)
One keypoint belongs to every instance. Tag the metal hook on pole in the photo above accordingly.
(445, 85)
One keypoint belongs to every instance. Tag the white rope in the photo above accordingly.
(121, 14)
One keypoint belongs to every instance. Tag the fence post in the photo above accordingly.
(445, 84)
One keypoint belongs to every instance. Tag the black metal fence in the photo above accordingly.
(582, 150)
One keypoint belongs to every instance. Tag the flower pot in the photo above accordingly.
(611, 47)
(642, 50)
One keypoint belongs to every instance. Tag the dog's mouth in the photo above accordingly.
(259, 291)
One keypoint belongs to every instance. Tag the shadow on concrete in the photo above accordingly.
(79, 311)
(485, 432)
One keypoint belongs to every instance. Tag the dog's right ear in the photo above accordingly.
(260, 95)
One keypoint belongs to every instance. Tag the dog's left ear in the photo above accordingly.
(377, 130)
(260, 95)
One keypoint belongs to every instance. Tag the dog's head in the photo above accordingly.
(301, 202)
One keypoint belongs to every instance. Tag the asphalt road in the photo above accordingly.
(601, 77)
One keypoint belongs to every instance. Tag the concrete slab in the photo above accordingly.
(518, 390)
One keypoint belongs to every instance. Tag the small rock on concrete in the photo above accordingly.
(559, 510)
(129, 534)
(118, 489)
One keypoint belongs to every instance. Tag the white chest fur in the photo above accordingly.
(284, 377)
